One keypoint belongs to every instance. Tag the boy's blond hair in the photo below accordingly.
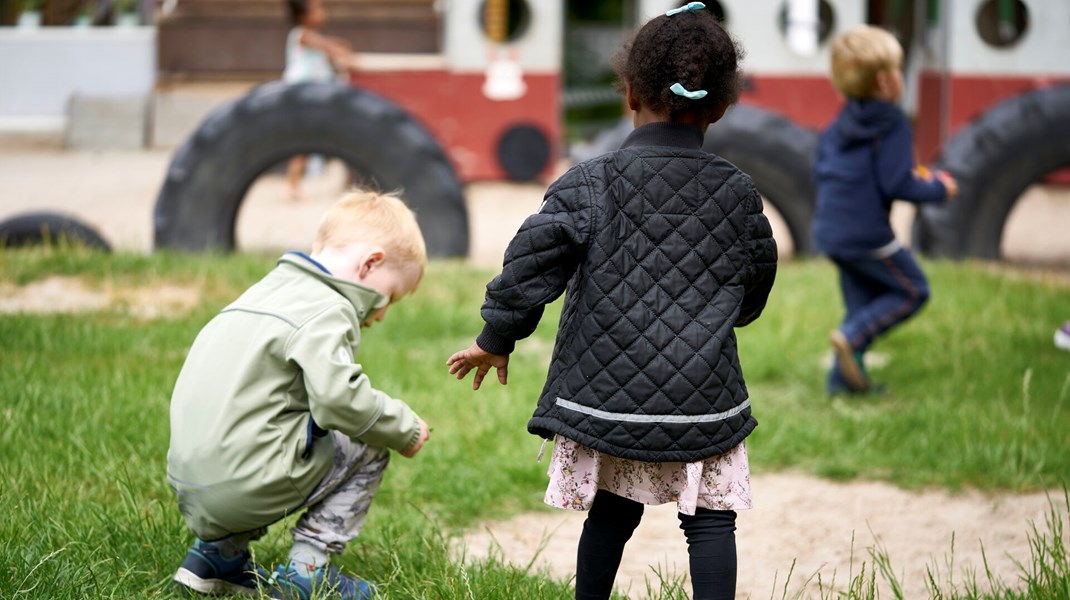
(858, 55)
(367, 216)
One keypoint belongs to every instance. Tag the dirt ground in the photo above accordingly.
(810, 521)
(800, 518)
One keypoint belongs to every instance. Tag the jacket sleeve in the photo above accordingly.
(760, 272)
(896, 177)
(340, 395)
(539, 262)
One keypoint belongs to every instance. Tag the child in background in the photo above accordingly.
(311, 57)
(865, 160)
(661, 250)
(270, 414)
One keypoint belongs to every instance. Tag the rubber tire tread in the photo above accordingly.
(779, 156)
(45, 227)
(209, 175)
(994, 160)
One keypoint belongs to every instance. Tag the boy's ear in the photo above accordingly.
(884, 82)
(370, 261)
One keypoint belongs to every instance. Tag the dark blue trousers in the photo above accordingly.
(879, 294)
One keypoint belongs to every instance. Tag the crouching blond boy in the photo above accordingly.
(270, 415)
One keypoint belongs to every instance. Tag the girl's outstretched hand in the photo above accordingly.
(476, 358)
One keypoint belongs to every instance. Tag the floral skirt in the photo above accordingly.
(718, 483)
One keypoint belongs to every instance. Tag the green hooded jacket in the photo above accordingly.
(263, 381)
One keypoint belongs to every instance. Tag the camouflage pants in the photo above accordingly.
(338, 505)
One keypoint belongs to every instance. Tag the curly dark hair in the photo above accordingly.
(298, 10)
(690, 48)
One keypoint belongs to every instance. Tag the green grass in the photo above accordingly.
(979, 394)
(979, 399)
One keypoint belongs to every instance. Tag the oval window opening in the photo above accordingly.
(798, 29)
(1002, 23)
(717, 10)
(504, 21)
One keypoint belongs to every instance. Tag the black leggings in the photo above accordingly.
(711, 543)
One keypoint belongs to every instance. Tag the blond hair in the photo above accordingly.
(367, 216)
(858, 55)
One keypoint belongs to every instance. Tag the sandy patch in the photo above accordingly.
(60, 294)
(808, 520)
(116, 193)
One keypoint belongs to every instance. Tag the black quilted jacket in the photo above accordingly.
(663, 249)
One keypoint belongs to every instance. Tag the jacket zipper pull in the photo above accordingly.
(542, 449)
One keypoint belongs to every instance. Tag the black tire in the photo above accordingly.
(210, 173)
(779, 157)
(40, 228)
(994, 159)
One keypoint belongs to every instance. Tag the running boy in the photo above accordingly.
(270, 414)
(865, 160)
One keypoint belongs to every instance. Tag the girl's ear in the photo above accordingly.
(633, 103)
(717, 114)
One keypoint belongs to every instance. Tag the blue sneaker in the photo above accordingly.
(207, 572)
(323, 582)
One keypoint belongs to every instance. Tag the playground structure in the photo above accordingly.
(490, 100)
(987, 88)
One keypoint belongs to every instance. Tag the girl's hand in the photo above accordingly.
(949, 182)
(424, 435)
(476, 358)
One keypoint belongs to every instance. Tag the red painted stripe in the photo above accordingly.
(809, 101)
(464, 121)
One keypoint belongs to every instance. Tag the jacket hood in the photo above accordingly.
(862, 121)
(364, 299)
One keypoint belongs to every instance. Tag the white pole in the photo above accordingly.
(803, 26)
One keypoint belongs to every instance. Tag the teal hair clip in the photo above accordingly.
(680, 90)
(690, 6)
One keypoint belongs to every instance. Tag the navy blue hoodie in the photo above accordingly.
(865, 160)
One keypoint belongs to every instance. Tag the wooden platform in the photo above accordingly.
(228, 39)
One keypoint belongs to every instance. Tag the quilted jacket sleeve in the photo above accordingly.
(539, 262)
(759, 274)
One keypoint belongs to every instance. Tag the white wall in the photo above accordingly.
(1044, 49)
(756, 24)
(41, 68)
(538, 48)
